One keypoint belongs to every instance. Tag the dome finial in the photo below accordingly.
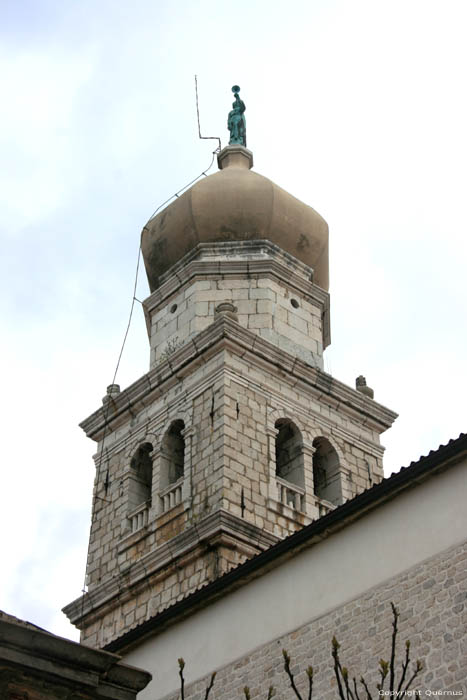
(236, 122)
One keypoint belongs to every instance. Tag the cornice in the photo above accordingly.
(202, 533)
(41, 654)
(154, 422)
(225, 333)
(323, 386)
(152, 385)
(295, 407)
(203, 262)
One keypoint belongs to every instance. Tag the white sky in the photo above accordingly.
(358, 108)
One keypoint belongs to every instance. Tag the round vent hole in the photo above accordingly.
(173, 308)
(294, 303)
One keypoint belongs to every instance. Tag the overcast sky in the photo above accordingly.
(358, 108)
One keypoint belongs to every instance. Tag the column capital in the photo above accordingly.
(308, 448)
(189, 431)
(271, 431)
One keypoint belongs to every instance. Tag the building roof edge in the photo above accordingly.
(442, 458)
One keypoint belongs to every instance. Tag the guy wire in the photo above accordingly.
(110, 399)
(211, 138)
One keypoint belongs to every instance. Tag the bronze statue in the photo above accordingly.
(236, 122)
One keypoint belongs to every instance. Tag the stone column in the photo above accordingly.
(271, 434)
(187, 435)
(155, 509)
(308, 452)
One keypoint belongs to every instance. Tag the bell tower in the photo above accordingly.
(235, 437)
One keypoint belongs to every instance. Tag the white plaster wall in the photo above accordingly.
(418, 524)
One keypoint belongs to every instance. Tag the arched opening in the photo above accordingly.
(141, 476)
(172, 454)
(326, 473)
(289, 453)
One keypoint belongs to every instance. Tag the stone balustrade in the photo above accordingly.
(139, 517)
(171, 495)
(291, 495)
(324, 507)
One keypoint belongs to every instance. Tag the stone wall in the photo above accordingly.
(167, 585)
(230, 402)
(112, 544)
(262, 305)
(230, 458)
(222, 383)
(256, 397)
(272, 293)
(432, 601)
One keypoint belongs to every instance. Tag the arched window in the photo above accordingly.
(141, 476)
(289, 453)
(326, 473)
(172, 454)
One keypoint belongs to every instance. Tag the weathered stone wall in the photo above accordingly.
(229, 467)
(160, 590)
(263, 306)
(112, 546)
(231, 426)
(280, 304)
(255, 398)
(432, 601)
(223, 381)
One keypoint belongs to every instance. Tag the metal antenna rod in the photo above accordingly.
(211, 138)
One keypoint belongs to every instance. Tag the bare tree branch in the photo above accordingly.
(309, 673)
(209, 687)
(181, 665)
(290, 674)
(337, 667)
(383, 669)
(417, 669)
(405, 665)
(345, 676)
(363, 682)
(355, 689)
(395, 614)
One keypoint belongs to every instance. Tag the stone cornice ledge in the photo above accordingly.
(244, 259)
(260, 248)
(40, 654)
(199, 533)
(227, 333)
(325, 387)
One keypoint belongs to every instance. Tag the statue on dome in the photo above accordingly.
(236, 122)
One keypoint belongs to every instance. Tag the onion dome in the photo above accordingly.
(235, 204)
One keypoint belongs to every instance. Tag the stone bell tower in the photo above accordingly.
(235, 437)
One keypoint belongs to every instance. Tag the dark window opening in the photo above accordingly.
(172, 454)
(141, 476)
(289, 453)
(326, 472)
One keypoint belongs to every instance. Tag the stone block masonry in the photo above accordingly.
(272, 292)
(230, 399)
(432, 601)
(234, 439)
